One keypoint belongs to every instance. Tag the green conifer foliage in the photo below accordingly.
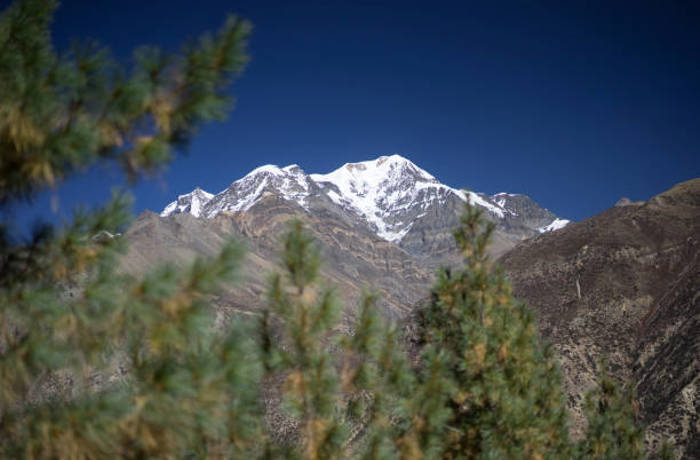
(307, 314)
(346, 393)
(378, 383)
(61, 113)
(94, 363)
(612, 431)
(504, 394)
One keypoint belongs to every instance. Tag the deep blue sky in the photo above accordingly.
(573, 103)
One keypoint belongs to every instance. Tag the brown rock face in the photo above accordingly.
(353, 260)
(624, 285)
(430, 239)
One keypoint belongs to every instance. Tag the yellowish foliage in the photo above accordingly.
(409, 447)
(295, 383)
(503, 351)
(21, 130)
(479, 354)
(39, 169)
(316, 429)
(162, 108)
(110, 135)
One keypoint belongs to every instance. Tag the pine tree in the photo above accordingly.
(504, 392)
(307, 314)
(94, 363)
(62, 113)
(379, 382)
(613, 431)
(341, 391)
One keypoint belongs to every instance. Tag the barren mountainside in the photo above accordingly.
(353, 260)
(624, 286)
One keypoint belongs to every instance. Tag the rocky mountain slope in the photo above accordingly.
(625, 285)
(354, 259)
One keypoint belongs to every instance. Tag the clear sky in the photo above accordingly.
(575, 103)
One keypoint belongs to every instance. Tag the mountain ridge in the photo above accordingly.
(389, 195)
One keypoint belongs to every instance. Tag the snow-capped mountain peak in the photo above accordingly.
(372, 174)
(265, 169)
(189, 203)
(387, 191)
(377, 190)
(290, 182)
(389, 194)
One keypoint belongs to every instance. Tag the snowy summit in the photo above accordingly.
(191, 203)
(388, 193)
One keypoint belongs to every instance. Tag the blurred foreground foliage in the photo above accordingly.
(98, 364)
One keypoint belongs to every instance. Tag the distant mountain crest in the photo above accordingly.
(290, 182)
(390, 195)
(191, 203)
